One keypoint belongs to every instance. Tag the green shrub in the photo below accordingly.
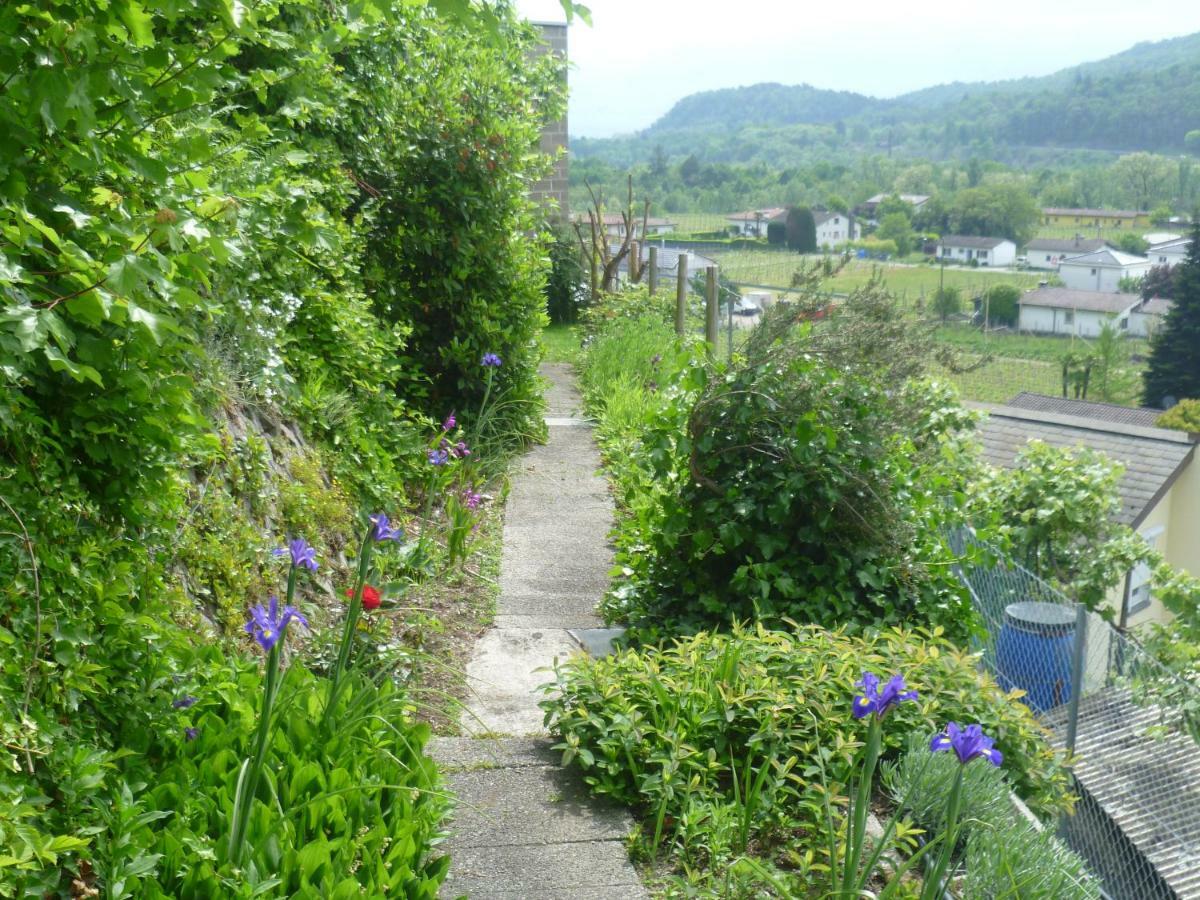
(1002, 303)
(662, 728)
(1019, 862)
(1183, 416)
(787, 487)
(1005, 855)
(920, 781)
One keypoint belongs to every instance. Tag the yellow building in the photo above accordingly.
(1095, 218)
(1159, 488)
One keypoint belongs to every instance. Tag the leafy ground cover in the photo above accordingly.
(678, 732)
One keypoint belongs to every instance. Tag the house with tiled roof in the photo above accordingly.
(1046, 253)
(983, 251)
(835, 228)
(1169, 253)
(1159, 487)
(1054, 310)
(1101, 270)
(753, 222)
(1095, 218)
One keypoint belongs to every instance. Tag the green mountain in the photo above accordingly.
(1145, 98)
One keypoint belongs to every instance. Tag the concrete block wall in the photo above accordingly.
(554, 134)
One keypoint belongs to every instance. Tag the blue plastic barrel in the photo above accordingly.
(1033, 653)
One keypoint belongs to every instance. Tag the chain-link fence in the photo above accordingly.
(1137, 772)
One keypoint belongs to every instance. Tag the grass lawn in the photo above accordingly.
(561, 343)
(1045, 348)
(774, 269)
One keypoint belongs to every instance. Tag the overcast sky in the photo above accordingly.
(640, 56)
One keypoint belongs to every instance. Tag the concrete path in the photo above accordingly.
(525, 828)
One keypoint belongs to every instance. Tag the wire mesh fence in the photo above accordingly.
(1101, 696)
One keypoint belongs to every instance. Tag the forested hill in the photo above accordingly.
(763, 104)
(1145, 98)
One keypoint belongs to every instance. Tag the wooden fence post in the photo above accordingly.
(635, 262)
(653, 274)
(681, 294)
(710, 307)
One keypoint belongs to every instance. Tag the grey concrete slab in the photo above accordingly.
(596, 641)
(529, 805)
(545, 870)
(456, 753)
(569, 619)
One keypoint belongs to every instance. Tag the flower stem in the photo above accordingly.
(862, 803)
(249, 786)
(337, 676)
(933, 887)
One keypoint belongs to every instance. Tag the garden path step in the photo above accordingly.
(525, 827)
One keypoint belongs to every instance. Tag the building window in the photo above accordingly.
(1139, 578)
(982, 254)
(1093, 271)
(1124, 324)
(1068, 317)
(1047, 257)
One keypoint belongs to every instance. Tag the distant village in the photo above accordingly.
(1090, 280)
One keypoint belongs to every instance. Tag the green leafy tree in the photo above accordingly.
(1192, 141)
(1174, 366)
(801, 230)
(837, 203)
(1131, 243)
(1145, 177)
(896, 227)
(1003, 304)
(565, 284)
(1112, 379)
(892, 204)
(947, 302)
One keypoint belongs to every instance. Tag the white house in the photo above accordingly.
(1147, 316)
(614, 225)
(753, 223)
(1046, 253)
(986, 251)
(835, 228)
(1066, 311)
(1169, 253)
(1101, 270)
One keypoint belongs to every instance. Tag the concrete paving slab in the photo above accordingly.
(457, 753)
(596, 641)
(529, 805)
(545, 870)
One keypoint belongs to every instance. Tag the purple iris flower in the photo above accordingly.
(879, 701)
(267, 624)
(439, 457)
(968, 743)
(191, 733)
(184, 702)
(381, 529)
(460, 450)
(471, 499)
(302, 554)
(490, 360)
(450, 422)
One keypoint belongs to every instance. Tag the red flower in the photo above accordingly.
(370, 599)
